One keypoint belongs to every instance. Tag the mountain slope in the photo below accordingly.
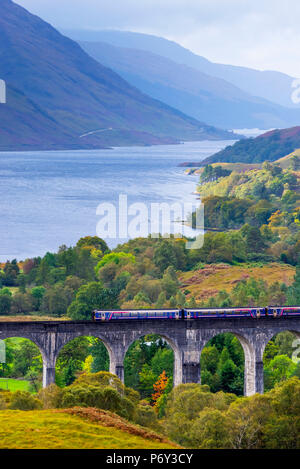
(23, 125)
(208, 281)
(271, 85)
(292, 159)
(75, 94)
(195, 93)
(270, 146)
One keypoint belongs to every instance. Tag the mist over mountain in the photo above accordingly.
(206, 98)
(59, 97)
(271, 85)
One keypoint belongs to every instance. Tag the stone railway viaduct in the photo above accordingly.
(187, 338)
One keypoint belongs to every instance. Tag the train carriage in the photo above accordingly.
(283, 311)
(224, 313)
(136, 314)
(198, 313)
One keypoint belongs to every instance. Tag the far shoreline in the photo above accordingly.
(91, 148)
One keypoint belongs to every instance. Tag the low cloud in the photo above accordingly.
(259, 34)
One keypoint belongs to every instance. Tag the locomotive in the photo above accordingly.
(198, 313)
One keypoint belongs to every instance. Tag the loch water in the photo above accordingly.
(49, 198)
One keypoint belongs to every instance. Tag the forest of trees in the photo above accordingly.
(143, 273)
(272, 146)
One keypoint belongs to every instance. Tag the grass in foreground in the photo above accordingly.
(14, 384)
(78, 428)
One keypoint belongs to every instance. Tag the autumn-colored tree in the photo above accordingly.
(28, 265)
(276, 219)
(296, 216)
(159, 387)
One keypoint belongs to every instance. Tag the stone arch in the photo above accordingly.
(30, 337)
(69, 338)
(177, 372)
(34, 340)
(63, 341)
(25, 336)
(249, 357)
(273, 333)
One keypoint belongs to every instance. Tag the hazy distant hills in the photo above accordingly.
(273, 86)
(270, 146)
(206, 98)
(57, 93)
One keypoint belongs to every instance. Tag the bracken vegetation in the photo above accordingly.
(78, 428)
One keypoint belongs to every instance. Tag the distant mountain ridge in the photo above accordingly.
(59, 97)
(270, 85)
(270, 146)
(206, 98)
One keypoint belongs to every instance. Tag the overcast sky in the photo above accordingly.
(262, 34)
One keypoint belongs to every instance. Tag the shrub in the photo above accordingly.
(147, 417)
(5, 397)
(101, 397)
(5, 304)
(102, 378)
(2, 404)
(102, 390)
(50, 396)
(83, 396)
(23, 400)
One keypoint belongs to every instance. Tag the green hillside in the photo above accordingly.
(74, 429)
(290, 160)
(270, 146)
(267, 182)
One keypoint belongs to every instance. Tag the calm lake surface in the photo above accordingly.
(50, 198)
